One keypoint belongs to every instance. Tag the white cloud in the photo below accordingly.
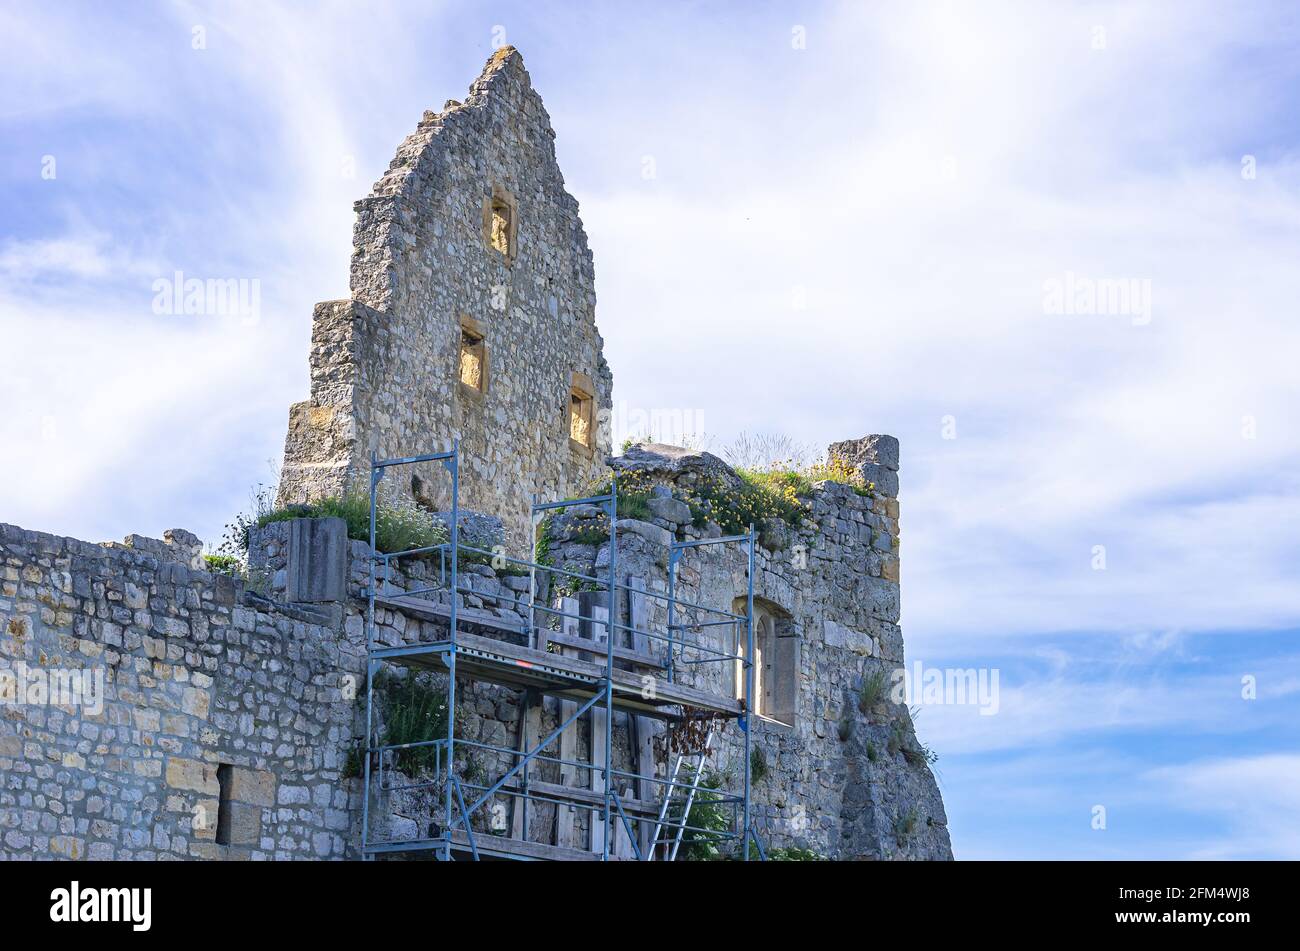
(75, 256)
(1041, 711)
(924, 298)
(1256, 797)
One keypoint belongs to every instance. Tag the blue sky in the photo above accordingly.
(854, 216)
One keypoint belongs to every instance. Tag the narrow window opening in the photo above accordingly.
(471, 360)
(580, 418)
(763, 653)
(223, 804)
(501, 222)
(500, 234)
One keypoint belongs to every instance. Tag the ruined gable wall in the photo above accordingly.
(385, 364)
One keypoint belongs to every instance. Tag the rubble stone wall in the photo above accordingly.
(177, 685)
(213, 692)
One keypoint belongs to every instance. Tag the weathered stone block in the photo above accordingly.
(195, 702)
(245, 823)
(884, 480)
(318, 560)
(193, 775)
(878, 449)
(670, 510)
(837, 635)
(256, 787)
(651, 533)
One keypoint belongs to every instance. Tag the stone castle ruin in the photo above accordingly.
(472, 316)
(152, 708)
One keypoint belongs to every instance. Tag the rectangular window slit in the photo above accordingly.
(223, 804)
(501, 227)
(471, 360)
(580, 418)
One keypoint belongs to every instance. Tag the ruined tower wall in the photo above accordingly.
(843, 779)
(386, 364)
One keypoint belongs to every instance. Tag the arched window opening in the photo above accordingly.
(776, 662)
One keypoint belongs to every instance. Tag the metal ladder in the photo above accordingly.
(697, 772)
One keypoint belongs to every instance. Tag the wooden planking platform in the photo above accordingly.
(427, 610)
(590, 797)
(495, 846)
(489, 847)
(433, 611)
(501, 662)
(620, 653)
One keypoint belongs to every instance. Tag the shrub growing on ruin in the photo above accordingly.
(412, 713)
(709, 820)
(905, 825)
(872, 689)
(790, 854)
(400, 525)
(222, 564)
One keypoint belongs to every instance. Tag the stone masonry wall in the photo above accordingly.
(195, 673)
(200, 672)
(845, 781)
(384, 364)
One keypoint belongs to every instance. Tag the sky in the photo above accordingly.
(1051, 247)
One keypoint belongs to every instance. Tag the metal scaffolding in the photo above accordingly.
(584, 686)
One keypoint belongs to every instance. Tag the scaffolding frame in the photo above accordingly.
(603, 691)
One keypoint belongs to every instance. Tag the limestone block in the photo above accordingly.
(245, 823)
(195, 702)
(189, 549)
(193, 775)
(838, 635)
(318, 560)
(670, 509)
(477, 529)
(651, 533)
(885, 480)
(878, 449)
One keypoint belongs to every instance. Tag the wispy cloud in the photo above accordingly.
(67, 259)
(1037, 710)
(1256, 797)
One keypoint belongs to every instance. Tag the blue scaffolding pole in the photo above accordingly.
(609, 807)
